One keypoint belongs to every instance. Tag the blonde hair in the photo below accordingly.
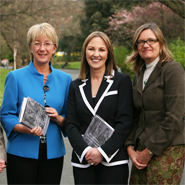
(110, 63)
(42, 30)
(136, 60)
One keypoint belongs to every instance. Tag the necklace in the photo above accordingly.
(145, 81)
(45, 78)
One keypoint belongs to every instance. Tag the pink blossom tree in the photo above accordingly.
(124, 23)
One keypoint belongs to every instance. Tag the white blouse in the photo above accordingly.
(149, 68)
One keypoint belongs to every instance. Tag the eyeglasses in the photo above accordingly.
(46, 89)
(37, 45)
(148, 41)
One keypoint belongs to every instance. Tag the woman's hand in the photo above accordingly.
(93, 156)
(53, 114)
(133, 156)
(143, 157)
(2, 165)
(36, 131)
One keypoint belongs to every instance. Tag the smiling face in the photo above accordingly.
(96, 54)
(148, 52)
(42, 50)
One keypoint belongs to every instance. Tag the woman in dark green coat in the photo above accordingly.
(156, 144)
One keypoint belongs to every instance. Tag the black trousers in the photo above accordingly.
(34, 171)
(101, 174)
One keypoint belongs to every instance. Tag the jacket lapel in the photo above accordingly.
(85, 90)
(139, 82)
(156, 72)
(102, 92)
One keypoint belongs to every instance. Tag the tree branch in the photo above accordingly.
(177, 6)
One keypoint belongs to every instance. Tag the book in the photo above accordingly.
(98, 132)
(33, 114)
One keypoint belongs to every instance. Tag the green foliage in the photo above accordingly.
(70, 45)
(178, 50)
(57, 59)
(67, 58)
(3, 74)
(97, 16)
(98, 12)
(120, 54)
(5, 52)
(73, 65)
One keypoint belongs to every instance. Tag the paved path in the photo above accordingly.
(67, 176)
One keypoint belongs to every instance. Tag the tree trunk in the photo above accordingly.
(19, 58)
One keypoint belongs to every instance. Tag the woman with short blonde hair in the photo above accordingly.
(44, 30)
(32, 157)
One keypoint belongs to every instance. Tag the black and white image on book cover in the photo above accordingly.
(33, 114)
(98, 132)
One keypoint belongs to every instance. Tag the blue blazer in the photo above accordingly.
(26, 82)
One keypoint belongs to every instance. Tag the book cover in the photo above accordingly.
(98, 132)
(33, 114)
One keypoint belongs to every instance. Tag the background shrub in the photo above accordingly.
(177, 48)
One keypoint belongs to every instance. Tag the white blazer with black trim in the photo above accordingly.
(113, 103)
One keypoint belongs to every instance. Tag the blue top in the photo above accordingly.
(26, 82)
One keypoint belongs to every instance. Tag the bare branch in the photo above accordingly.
(177, 6)
(25, 11)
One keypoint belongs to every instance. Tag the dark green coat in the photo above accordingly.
(159, 108)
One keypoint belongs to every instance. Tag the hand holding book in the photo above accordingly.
(93, 156)
(36, 131)
(53, 114)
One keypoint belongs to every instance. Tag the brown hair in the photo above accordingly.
(110, 63)
(43, 29)
(135, 58)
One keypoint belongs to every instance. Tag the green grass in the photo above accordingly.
(3, 74)
(71, 65)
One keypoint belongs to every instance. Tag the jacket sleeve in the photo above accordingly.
(130, 139)
(123, 117)
(2, 145)
(65, 103)
(9, 109)
(73, 124)
(172, 124)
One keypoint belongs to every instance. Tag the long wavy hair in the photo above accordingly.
(136, 60)
(110, 63)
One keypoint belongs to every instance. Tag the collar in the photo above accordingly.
(38, 75)
(152, 64)
(105, 76)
